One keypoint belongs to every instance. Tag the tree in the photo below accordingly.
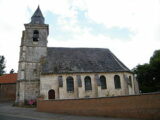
(155, 69)
(148, 75)
(2, 65)
(11, 71)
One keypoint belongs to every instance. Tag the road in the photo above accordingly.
(8, 112)
(9, 117)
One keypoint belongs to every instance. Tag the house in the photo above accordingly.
(8, 87)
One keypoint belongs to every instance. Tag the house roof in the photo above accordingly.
(80, 60)
(8, 78)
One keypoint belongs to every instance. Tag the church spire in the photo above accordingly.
(37, 17)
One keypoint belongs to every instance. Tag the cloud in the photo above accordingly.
(135, 19)
(129, 28)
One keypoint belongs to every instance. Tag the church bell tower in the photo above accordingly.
(32, 51)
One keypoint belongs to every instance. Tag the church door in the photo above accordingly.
(51, 94)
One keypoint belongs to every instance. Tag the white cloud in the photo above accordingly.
(122, 13)
(140, 16)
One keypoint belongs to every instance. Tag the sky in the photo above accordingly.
(129, 28)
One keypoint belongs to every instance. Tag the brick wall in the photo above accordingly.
(7, 91)
(138, 106)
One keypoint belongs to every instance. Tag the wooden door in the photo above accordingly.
(51, 94)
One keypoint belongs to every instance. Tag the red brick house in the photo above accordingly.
(8, 87)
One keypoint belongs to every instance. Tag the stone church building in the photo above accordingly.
(67, 73)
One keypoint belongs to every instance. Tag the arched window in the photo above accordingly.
(130, 81)
(103, 82)
(70, 83)
(35, 35)
(117, 82)
(51, 94)
(88, 85)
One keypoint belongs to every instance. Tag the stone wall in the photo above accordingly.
(145, 106)
(49, 82)
(8, 92)
(28, 90)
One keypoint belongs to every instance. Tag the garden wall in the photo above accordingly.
(135, 106)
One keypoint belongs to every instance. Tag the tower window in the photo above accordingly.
(35, 35)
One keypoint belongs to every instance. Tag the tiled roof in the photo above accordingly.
(80, 60)
(8, 78)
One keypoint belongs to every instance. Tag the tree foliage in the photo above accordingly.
(11, 71)
(148, 75)
(2, 65)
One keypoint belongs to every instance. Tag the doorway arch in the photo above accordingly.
(51, 94)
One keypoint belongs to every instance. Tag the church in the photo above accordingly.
(67, 73)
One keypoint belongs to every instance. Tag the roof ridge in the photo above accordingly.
(77, 48)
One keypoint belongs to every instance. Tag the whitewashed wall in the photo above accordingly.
(48, 82)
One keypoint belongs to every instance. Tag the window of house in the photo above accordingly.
(103, 82)
(35, 36)
(70, 83)
(117, 82)
(88, 85)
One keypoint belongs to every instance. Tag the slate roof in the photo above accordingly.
(37, 17)
(80, 60)
(8, 78)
